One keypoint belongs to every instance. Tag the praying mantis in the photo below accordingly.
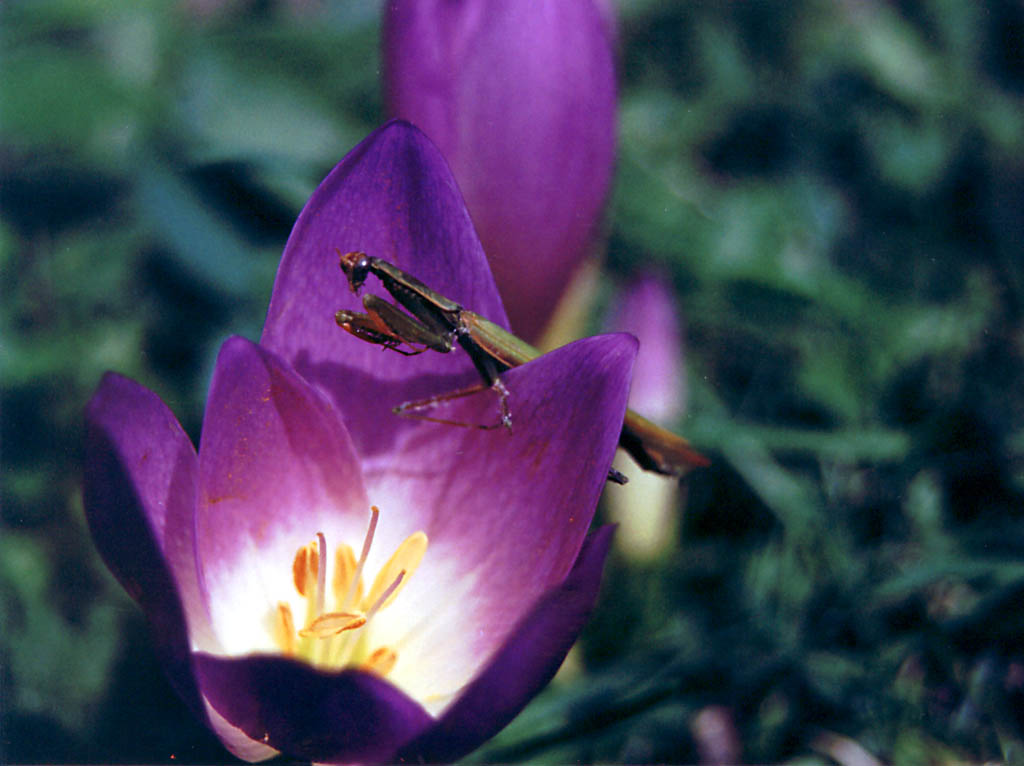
(436, 323)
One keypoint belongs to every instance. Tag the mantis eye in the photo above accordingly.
(356, 266)
(360, 270)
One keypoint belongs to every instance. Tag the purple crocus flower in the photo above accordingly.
(290, 613)
(519, 95)
(646, 308)
(648, 512)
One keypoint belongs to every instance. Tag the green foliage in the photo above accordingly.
(834, 191)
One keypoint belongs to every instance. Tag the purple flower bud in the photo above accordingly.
(519, 95)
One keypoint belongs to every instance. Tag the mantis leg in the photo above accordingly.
(414, 409)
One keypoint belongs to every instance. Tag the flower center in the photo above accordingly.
(334, 633)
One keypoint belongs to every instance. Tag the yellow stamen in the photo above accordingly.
(333, 623)
(284, 629)
(341, 638)
(381, 661)
(406, 559)
(344, 573)
(304, 568)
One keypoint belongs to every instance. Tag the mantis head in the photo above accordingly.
(356, 266)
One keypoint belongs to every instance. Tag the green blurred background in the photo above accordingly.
(837, 192)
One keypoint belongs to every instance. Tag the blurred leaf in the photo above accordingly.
(95, 110)
(243, 118)
(58, 669)
(203, 243)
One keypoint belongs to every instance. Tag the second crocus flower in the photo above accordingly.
(519, 95)
(648, 510)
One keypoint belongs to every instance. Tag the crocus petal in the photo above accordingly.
(234, 739)
(276, 467)
(506, 512)
(520, 97)
(392, 197)
(343, 717)
(522, 667)
(139, 493)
